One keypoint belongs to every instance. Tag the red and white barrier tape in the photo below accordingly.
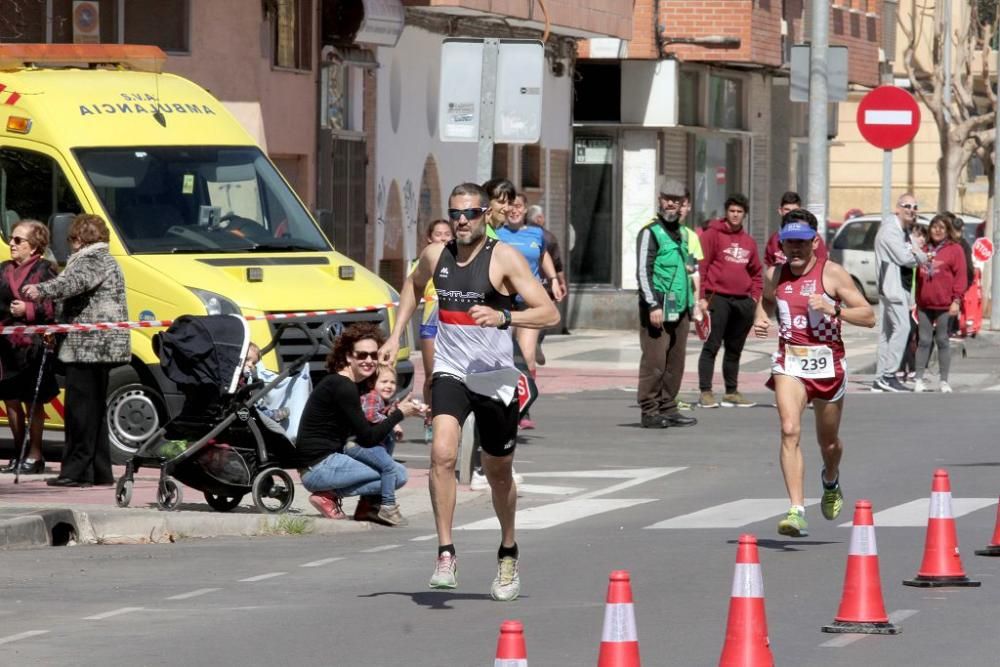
(161, 324)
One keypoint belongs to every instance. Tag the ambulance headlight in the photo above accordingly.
(216, 304)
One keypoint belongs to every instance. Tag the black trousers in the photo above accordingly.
(732, 317)
(86, 457)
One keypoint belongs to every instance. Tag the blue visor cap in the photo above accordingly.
(797, 231)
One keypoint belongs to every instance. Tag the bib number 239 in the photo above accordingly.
(809, 362)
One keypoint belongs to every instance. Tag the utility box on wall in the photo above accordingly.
(649, 93)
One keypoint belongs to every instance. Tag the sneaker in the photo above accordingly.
(507, 585)
(891, 383)
(919, 387)
(945, 387)
(736, 400)
(832, 502)
(445, 571)
(526, 424)
(794, 524)
(684, 405)
(876, 388)
(479, 482)
(707, 400)
(390, 515)
(328, 504)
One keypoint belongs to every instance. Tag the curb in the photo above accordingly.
(40, 528)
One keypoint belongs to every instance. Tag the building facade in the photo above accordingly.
(699, 92)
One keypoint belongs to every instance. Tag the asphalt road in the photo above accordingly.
(598, 492)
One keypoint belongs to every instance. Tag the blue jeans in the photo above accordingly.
(379, 458)
(348, 477)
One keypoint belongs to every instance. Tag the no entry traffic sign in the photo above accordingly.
(888, 117)
(982, 250)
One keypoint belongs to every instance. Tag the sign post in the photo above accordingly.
(888, 118)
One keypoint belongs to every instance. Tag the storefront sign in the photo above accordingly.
(595, 150)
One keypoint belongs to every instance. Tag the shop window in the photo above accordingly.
(689, 97)
(162, 23)
(726, 102)
(292, 21)
(718, 173)
(531, 166)
(25, 26)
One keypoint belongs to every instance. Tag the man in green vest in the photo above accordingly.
(668, 254)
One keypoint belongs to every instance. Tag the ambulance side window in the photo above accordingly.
(32, 187)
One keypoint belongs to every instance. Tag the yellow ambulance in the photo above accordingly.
(201, 221)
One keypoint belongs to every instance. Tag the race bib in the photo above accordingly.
(812, 362)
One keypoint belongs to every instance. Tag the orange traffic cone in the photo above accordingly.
(993, 548)
(747, 644)
(942, 565)
(619, 641)
(861, 607)
(510, 646)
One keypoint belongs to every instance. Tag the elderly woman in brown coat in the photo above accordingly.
(90, 289)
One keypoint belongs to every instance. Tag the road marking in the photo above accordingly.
(554, 514)
(548, 490)
(731, 515)
(193, 594)
(22, 635)
(113, 612)
(914, 513)
(262, 577)
(995, 387)
(895, 618)
(384, 547)
(321, 562)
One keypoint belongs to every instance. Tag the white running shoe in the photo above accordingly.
(480, 483)
(507, 584)
(945, 387)
(445, 572)
(919, 386)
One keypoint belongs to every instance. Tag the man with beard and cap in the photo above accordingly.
(667, 254)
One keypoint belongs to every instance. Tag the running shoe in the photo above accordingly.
(526, 424)
(327, 503)
(919, 387)
(479, 482)
(891, 383)
(445, 571)
(707, 400)
(794, 524)
(391, 516)
(945, 387)
(736, 400)
(832, 502)
(684, 405)
(507, 585)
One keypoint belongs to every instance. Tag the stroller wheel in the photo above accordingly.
(222, 503)
(169, 495)
(123, 491)
(273, 490)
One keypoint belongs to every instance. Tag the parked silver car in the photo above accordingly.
(853, 247)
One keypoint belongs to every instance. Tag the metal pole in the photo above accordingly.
(818, 97)
(487, 109)
(886, 186)
(995, 273)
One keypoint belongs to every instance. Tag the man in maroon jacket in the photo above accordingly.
(731, 285)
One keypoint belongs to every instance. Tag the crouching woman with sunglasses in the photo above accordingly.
(333, 415)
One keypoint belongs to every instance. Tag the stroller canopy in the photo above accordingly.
(204, 350)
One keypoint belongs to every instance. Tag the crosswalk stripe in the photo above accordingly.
(914, 513)
(731, 515)
(554, 514)
(548, 490)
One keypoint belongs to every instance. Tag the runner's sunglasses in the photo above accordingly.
(469, 213)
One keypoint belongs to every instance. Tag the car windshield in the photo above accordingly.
(207, 199)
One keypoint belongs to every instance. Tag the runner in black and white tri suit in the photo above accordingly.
(476, 279)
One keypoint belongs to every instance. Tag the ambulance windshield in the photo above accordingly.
(203, 199)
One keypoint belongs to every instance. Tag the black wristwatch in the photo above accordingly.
(506, 319)
(836, 310)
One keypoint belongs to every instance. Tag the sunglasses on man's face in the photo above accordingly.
(910, 207)
(469, 213)
(361, 356)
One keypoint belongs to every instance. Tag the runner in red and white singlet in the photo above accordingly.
(809, 344)
(811, 297)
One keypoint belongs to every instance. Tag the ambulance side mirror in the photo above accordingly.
(58, 231)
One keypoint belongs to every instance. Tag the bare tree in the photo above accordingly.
(969, 130)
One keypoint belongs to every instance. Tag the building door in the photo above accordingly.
(342, 166)
(592, 237)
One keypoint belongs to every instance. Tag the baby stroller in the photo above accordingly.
(219, 444)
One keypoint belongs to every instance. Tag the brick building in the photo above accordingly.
(699, 92)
